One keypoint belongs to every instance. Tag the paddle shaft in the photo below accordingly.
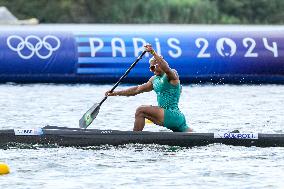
(124, 75)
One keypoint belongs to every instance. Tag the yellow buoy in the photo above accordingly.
(4, 169)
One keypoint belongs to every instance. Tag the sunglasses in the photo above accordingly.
(153, 67)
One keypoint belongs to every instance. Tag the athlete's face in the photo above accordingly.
(155, 68)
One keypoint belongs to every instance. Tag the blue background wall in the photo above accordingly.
(92, 55)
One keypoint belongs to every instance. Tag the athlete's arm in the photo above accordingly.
(132, 91)
(172, 75)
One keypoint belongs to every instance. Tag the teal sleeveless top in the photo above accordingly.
(167, 94)
(168, 98)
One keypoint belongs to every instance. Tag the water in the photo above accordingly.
(208, 108)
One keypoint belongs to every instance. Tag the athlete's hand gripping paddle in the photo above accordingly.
(92, 113)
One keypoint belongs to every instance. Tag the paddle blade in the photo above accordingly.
(89, 116)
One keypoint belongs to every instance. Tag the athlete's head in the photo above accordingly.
(154, 66)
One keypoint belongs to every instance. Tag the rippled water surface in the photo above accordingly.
(208, 108)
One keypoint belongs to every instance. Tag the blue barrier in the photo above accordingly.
(215, 55)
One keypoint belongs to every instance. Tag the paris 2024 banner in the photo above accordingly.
(206, 54)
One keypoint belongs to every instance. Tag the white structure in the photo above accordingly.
(6, 17)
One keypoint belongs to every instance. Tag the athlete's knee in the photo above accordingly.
(141, 110)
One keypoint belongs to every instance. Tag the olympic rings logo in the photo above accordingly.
(17, 44)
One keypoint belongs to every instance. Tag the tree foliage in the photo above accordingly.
(150, 11)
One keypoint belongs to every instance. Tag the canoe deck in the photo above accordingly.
(77, 137)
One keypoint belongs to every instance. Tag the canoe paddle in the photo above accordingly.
(92, 113)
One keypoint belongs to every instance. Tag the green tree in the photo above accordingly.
(150, 11)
